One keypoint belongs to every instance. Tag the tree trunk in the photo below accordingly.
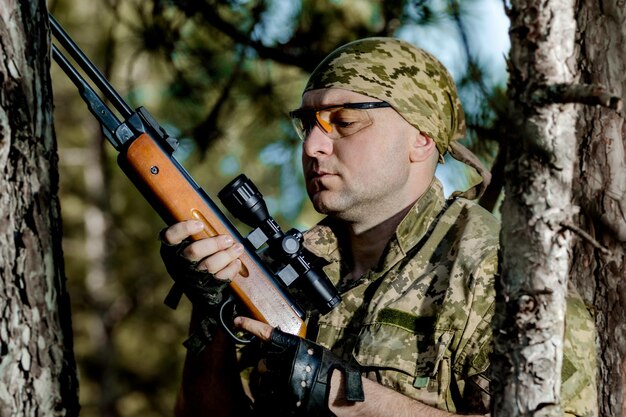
(38, 376)
(599, 268)
(536, 241)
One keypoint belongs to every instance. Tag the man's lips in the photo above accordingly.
(319, 180)
(321, 174)
(318, 175)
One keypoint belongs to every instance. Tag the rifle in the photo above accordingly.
(146, 157)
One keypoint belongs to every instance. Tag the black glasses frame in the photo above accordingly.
(298, 113)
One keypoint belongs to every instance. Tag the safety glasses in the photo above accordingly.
(337, 121)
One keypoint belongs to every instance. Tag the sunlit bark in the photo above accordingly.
(536, 211)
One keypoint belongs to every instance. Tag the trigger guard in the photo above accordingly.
(223, 319)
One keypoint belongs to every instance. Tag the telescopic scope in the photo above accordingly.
(242, 198)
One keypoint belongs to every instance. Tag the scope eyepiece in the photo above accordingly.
(323, 293)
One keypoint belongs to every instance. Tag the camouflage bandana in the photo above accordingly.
(413, 82)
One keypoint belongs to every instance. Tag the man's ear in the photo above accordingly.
(422, 147)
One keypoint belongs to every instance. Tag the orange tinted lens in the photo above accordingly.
(323, 124)
(346, 122)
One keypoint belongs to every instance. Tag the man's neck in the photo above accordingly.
(367, 246)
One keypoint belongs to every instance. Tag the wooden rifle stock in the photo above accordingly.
(176, 198)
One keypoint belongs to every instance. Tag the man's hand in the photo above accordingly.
(296, 373)
(379, 401)
(202, 268)
(217, 255)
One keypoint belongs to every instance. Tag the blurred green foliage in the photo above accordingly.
(221, 75)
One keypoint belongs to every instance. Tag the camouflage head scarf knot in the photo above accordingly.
(413, 82)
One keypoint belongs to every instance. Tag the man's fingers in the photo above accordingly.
(200, 249)
(220, 260)
(261, 330)
(230, 272)
(178, 232)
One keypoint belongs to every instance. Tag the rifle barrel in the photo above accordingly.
(105, 116)
(90, 69)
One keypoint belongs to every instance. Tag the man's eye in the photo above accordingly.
(345, 118)
(344, 124)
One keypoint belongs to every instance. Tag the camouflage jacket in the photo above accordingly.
(420, 321)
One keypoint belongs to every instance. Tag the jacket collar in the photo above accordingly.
(322, 241)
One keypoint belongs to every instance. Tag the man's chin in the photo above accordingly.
(324, 204)
(320, 202)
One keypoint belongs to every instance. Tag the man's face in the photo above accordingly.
(363, 174)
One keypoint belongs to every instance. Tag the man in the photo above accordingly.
(416, 271)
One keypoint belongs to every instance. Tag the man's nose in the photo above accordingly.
(317, 143)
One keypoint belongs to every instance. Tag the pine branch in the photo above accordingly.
(590, 94)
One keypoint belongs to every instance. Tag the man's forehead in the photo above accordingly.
(329, 96)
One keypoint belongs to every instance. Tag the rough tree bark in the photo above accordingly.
(595, 70)
(37, 369)
(536, 242)
(599, 269)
